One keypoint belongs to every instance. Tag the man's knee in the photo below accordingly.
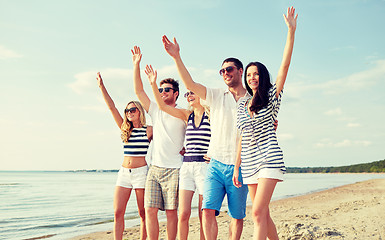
(208, 213)
(171, 214)
(151, 212)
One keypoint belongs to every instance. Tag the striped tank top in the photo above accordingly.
(137, 144)
(197, 139)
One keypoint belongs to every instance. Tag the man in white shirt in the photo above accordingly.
(161, 190)
(222, 149)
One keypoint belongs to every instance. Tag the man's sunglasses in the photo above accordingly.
(226, 69)
(166, 89)
(188, 94)
(130, 110)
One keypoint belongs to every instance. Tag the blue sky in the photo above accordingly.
(53, 116)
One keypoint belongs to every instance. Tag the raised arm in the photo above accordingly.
(291, 22)
(172, 48)
(138, 84)
(110, 103)
(175, 112)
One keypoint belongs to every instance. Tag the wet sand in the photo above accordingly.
(354, 211)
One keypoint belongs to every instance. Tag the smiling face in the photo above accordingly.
(132, 113)
(168, 97)
(252, 77)
(232, 76)
(192, 99)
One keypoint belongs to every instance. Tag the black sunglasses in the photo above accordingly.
(130, 110)
(226, 69)
(166, 89)
(188, 94)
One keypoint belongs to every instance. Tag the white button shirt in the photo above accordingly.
(223, 120)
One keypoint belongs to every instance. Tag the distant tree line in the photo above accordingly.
(373, 167)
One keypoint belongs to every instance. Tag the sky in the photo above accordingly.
(53, 116)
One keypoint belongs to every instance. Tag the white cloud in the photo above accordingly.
(333, 112)
(86, 81)
(328, 143)
(353, 125)
(7, 53)
(94, 108)
(354, 82)
(284, 136)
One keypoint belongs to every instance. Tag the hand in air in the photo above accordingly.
(99, 78)
(136, 55)
(172, 48)
(290, 20)
(151, 74)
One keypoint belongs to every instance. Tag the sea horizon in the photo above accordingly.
(64, 204)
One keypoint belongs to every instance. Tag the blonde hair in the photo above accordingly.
(128, 126)
(206, 109)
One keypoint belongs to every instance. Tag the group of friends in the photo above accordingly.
(224, 145)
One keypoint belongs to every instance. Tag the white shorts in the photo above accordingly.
(264, 173)
(192, 175)
(132, 177)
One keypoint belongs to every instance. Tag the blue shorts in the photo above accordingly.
(218, 182)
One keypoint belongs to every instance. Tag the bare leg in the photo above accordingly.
(202, 236)
(210, 225)
(271, 229)
(235, 229)
(172, 224)
(152, 224)
(260, 210)
(141, 211)
(185, 198)
(121, 197)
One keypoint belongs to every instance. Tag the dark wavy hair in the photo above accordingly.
(261, 97)
(173, 82)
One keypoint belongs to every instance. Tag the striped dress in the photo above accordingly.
(259, 141)
(137, 144)
(197, 139)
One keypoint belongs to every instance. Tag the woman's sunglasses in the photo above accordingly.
(188, 94)
(130, 110)
(226, 69)
(166, 89)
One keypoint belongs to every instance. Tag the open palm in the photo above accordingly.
(291, 18)
(136, 55)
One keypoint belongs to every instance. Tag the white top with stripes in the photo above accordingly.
(197, 139)
(259, 141)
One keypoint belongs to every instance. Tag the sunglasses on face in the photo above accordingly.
(166, 89)
(226, 69)
(188, 94)
(130, 110)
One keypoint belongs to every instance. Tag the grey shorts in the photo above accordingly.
(162, 188)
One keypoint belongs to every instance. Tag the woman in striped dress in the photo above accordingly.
(259, 155)
(193, 170)
(136, 137)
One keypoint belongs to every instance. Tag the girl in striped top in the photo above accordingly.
(193, 170)
(258, 153)
(136, 137)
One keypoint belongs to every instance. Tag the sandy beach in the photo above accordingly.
(355, 211)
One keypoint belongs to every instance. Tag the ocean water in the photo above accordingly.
(61, 205)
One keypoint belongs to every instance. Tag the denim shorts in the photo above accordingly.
(218, 183)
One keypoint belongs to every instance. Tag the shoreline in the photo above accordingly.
(353, 211)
